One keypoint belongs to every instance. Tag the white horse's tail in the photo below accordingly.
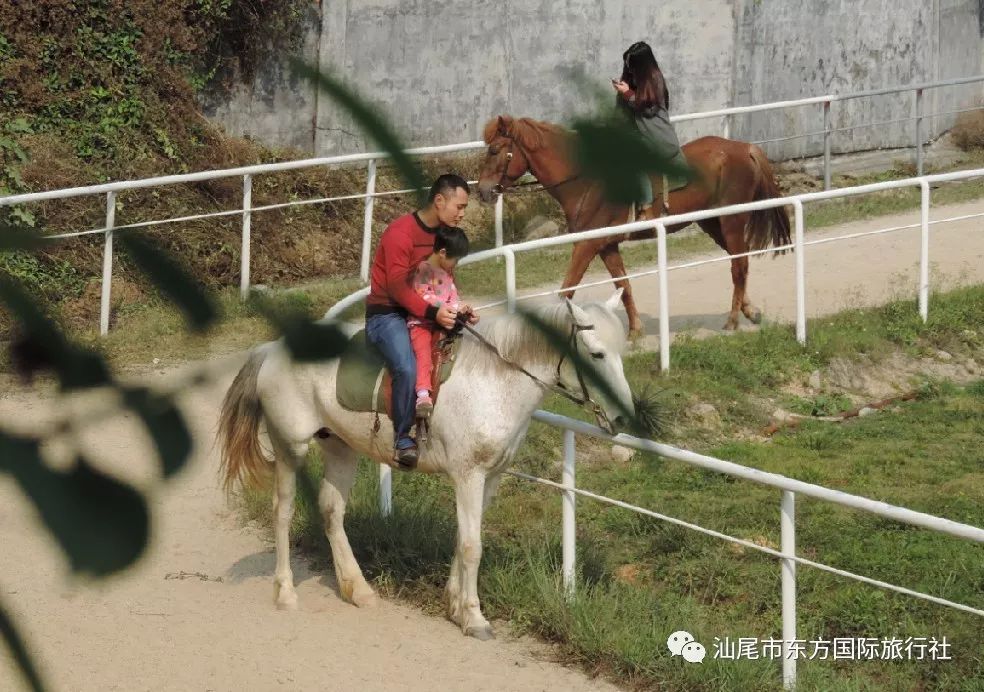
(242, 457)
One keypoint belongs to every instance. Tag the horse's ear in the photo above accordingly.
(613, 301)
(577, 312)
(505, 124)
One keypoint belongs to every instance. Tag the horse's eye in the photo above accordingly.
(598, 355)
(493, 151)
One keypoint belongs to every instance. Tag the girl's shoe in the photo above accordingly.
(425, 406)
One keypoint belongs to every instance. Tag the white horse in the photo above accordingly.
(481, 417)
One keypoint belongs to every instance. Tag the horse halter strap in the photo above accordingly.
(504, 178)
(501, 187)
(585, 397)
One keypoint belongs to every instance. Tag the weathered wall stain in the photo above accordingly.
(441, 71)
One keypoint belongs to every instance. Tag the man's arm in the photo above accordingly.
(399, 255)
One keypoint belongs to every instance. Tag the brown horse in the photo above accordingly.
(726, 172)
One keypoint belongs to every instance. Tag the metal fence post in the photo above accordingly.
(107, 277)
(826, 145)
(510, 280)
(569, 541)
(247, 223)
(799, 250)
(924, 253)
(788, 548)
(664, 299)
(919, 131)
(498, 220)
(385, 490)
(367, 221)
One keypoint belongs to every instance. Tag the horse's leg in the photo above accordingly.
(469, 495)
(490, 490)
(453, 588)
(341, 464)
(712, 227)
(288, 458)
(733, 231)
(581, 256)
(613, 262)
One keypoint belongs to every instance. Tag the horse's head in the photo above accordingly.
(506, 158)
(600, 339)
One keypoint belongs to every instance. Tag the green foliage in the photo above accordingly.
(119, 81)
(101, 523)
(640, 579)
(12, 157)
(44, 276)
(822, 405)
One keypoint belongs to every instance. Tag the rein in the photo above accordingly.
(558, 388)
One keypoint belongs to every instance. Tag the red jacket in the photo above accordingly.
(405, 243)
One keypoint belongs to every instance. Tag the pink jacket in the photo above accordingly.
(436, 287)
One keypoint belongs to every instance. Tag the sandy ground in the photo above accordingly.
(847, 273)
(197, 613)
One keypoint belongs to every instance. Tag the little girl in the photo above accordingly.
(434, 282)
(643, 95)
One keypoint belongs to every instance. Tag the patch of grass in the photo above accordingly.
(838, 211)
(968, 131)
(641, 579)
(821, 405)
(730, 372)
(155, 329)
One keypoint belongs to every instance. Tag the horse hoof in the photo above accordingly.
(756, 317)
(482, 633)
(287, 603)
(368, 599)
(636, 334)
(730, 326)
(284, 597)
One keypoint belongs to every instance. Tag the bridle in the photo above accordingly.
(500, 188)
(584, 400)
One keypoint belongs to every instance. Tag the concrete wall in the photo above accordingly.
(440, 71)
(843, 46)
(274, 107)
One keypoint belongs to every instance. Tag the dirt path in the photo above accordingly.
(164, 627)
(161, 627)
(846, 273)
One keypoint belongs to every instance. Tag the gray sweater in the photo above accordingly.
(655, 126)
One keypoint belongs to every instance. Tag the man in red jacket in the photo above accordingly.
(405, 243)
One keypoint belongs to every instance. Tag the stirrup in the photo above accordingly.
(406, 459)
(424, 410)
(423, 430)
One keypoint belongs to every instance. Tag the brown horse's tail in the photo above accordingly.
(767, 227)
(242, 457)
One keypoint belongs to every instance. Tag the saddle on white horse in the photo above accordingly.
(365, 385)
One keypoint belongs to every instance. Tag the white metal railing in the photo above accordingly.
(799, 244)
(247, 172)
(787, 552)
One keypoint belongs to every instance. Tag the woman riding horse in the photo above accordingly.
(645, 99)
(725, 172)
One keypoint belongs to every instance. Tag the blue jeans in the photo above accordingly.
(389, 334)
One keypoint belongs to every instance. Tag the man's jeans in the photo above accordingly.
(389, 334)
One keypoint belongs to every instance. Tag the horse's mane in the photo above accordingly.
(515, 338)
(528, 133)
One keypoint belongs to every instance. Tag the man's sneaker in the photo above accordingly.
(406, 457)
(425, 406)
